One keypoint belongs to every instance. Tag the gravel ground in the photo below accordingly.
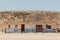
(30, 36)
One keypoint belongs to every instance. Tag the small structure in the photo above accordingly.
(29, 21)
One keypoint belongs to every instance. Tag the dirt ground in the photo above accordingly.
(30, 36)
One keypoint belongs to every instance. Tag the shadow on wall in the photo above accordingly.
(19, 31)
(29, 30)
(38, 28)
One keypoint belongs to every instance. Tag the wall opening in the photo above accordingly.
(39, 28)
(15, 26)
(22, 27)
(48, 26)
(9, 26)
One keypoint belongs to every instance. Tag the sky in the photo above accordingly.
(30, 5)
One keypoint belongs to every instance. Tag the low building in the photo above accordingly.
(29, 21)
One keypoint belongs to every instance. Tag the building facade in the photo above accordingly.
(29, 21)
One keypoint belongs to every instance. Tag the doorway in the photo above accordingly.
(22, 27)
(39, 28)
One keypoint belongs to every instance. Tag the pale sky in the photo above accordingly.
(30, 5)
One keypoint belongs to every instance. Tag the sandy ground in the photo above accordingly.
(30, 36)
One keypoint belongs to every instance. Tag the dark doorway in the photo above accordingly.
(22, 27)
(58, 30)
(48, 26)
(39, 28)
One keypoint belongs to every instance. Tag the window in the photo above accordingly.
(9, 26)
(48, 26)
(15, 26)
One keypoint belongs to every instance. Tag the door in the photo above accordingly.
(39, 28)
(22, 27)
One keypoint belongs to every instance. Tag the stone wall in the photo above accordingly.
(30, 18)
